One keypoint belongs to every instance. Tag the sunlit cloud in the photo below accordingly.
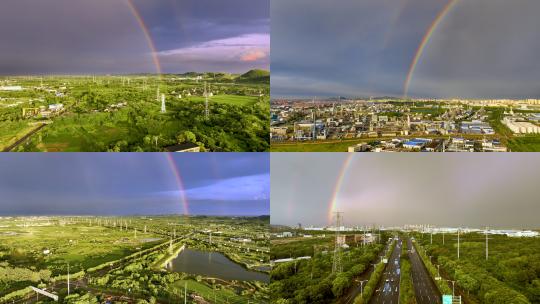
(254, 55)
(248, 47)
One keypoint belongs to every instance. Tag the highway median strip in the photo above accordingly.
(406, 287)
(374, 279)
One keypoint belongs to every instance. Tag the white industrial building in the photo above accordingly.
(521, 127)
(11, 88)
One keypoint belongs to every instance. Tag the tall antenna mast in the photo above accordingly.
(336, 266)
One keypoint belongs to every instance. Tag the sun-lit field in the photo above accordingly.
(112, 257)
(124, 113)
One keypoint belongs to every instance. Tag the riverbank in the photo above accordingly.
(162, 263)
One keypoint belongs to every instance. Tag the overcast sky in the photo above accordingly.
(474, 190)
(482, 48)
(104, 36)
(134, 183)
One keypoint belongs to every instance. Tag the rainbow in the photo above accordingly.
(147, 35)
(427, 36)
(337, 186)
(179, 181)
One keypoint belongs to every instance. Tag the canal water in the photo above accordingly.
(213, 264)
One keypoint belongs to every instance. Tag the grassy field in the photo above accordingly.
(434, 111)
(11, 131)
(524, 144)
(82, 247)
(87, 132)
(229, 99)
(337, 146)
(123, 112)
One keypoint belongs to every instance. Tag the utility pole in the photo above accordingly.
(443, 237)
(206, 112)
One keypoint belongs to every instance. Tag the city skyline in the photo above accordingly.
(413, 48)
(133, 36)
(455, 190)
(135, 184)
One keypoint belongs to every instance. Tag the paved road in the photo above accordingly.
(424, 287)
(23, 139)
(357, 288)
(387, 291)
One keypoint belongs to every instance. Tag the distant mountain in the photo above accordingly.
(255, 76)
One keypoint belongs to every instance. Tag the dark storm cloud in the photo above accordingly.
(482, 48)
(454, 190)
(88, 183)
(103, 36)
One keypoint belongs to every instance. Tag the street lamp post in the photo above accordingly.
(362, 288)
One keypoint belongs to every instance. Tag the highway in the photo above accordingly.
(357, 287)
(424, 287)
(387, 291)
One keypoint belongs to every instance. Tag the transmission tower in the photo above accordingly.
(163, 108)
(487, 243)
(337, 267)
(206, 113)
